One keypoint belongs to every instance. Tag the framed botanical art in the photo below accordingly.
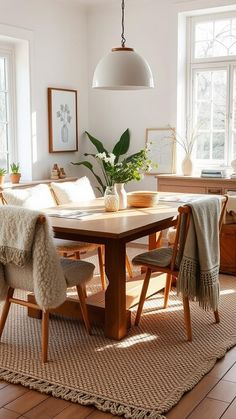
(62, 120)
(162, 149)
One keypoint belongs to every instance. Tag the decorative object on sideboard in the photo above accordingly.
(123, 68)
(162, 149)
(117, 171)
(15, 174)
(62, 120)
(187, 142)
(3, 172)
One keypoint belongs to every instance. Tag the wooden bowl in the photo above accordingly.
(143, 199)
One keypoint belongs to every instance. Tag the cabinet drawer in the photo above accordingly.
(214, 191)
(181, 188)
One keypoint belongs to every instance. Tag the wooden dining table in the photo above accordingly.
(114, 230)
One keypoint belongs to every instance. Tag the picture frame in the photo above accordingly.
(162, 149)
(62, 120)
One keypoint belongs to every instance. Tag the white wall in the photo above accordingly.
(152, 30)
(58, 58)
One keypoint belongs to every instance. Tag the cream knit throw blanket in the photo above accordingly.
(199, 268)
(24, 241)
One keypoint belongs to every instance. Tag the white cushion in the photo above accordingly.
(78, 191)
(37, 197)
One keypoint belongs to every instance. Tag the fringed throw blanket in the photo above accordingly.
(199, 268)
(24, 242)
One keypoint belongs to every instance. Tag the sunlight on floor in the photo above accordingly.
(126, 343)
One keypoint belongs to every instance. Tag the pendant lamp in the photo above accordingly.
(123, 68)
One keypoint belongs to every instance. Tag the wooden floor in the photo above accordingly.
(214, 397)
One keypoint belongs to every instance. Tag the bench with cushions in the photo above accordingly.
(47, 196)
(59, 193)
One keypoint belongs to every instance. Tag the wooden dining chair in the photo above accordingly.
(164, 260)
(77, 274)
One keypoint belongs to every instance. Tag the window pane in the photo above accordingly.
(204, 115)
(204, 49)
(218, 145)
(209, 113)
(204, 85)
(234, 146)
(2, 74)
(3, 147)
(216, 38)
(204, 31)
(3, 107)
(203, 146)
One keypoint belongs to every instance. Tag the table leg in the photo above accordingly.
(115, 298)
(155, 240)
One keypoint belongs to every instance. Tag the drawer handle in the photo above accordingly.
(214, 191)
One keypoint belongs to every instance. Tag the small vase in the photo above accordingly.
(111, 199)
(122, 195)
(187, 165)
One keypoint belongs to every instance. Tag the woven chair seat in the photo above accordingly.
(77, 272)
(158, 257)
(74, 246)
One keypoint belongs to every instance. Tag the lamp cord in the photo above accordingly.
(123, 40)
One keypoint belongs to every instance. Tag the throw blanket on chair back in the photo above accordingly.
(24, 242)
(199, 268)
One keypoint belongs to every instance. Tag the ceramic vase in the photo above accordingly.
(111, 199)
(122, 195)
(187, 165)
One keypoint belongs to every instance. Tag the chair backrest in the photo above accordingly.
(182, 228)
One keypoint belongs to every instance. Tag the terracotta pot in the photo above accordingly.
(15, 177)
(2, 178)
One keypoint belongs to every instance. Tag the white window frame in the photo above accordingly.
(8, 53)
(210, 63)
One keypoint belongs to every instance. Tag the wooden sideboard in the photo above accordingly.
(190, 184)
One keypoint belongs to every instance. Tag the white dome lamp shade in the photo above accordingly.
(123, 69)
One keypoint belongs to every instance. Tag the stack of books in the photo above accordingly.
(218, 173)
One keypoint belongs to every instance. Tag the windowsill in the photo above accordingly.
(8, 185)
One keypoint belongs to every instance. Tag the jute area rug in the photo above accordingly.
(142, 376)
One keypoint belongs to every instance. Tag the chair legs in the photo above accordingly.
(128, 267)
(45, 332)
(5, 310)
(167, 289)
(143, 296)
(84, 309)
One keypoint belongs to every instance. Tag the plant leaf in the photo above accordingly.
(122, 145)
(98, 144)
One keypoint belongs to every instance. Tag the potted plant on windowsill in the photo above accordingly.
(2, 175)
(15, 175)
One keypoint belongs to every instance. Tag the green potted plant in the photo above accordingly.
(2, 175)
(15, 174)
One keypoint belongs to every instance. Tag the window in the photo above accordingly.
(212, 88)
(6, 109)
